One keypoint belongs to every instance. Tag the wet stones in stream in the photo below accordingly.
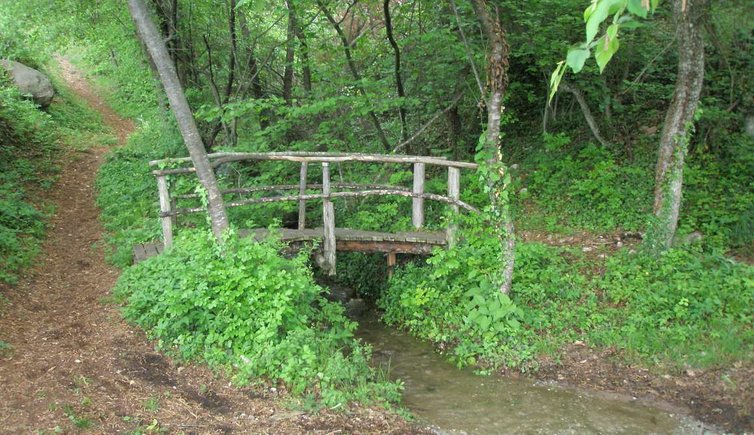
(347, 297)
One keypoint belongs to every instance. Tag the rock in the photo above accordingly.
(355, 307)
(30, 82)
(340, 294)
(688, 239)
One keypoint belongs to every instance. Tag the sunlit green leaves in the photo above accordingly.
(577, 57)
(606, 46)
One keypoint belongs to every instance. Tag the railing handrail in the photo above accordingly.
(217, 159)
(372, 192)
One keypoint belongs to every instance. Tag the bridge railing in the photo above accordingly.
(168, 209)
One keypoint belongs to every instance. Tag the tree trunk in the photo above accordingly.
(306, 70)
(222, 100)
(289, 54)
(498, 179)
(183, 115)
(397, 68)
(354, 72)
(253, 74)
(579, 96)
(678, 126)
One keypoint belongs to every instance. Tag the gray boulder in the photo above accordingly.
(30, 82)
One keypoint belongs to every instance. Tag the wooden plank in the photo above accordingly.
(139, 253)
(417, 202)
(385, 246)
(152, 249)
(302, 191)
(454, 193)
(346, 239)
(328, 217)
(167, 221)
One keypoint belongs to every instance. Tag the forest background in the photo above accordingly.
(410, 77)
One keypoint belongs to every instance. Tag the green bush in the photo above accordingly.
(253, 312)
(685, 307)
(127, 191)
(452, 301)
(27, 147)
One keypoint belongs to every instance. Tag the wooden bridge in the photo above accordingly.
(331, 238)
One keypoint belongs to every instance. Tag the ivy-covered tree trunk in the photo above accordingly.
(678, 126)
(497, 176)
(180, 107)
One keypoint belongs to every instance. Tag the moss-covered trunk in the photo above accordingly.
(678, 125)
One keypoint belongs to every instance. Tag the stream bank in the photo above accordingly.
(458, 401)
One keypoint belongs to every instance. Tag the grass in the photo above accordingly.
(78, 421)
(4, 347)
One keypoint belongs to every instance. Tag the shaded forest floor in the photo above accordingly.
(722, 396)
(74, 364)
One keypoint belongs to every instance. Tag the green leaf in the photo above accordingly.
(599, 14)
(606, 48)
(636, 8)
(627, 21)
(577, 57)
(555, 79)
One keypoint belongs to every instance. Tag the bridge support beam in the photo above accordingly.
(391, 260)
(417, 204)
(328, 217)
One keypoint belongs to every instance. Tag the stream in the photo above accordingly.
(459, 401)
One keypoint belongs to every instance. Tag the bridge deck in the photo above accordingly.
(346, 239)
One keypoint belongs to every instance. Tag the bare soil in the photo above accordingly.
(75, 365)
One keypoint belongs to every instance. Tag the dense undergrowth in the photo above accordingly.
(255, 313)
(26, 162)
(685, 308)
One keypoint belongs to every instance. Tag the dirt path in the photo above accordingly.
(76, 365)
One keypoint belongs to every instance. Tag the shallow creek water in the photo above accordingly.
(459, 401)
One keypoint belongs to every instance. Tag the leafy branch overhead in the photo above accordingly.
(624, 16)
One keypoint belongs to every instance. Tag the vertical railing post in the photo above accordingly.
(328, 216)
(454, 192)
(167, 221)
(302, 202)
(391, 260)
(417, 204)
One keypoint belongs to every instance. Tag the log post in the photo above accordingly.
(167, 221)
(454, 192)
(391, 260)
(417, 205)
(328, 216)
(302, 202)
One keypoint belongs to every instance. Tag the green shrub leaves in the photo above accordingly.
(253, 312)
